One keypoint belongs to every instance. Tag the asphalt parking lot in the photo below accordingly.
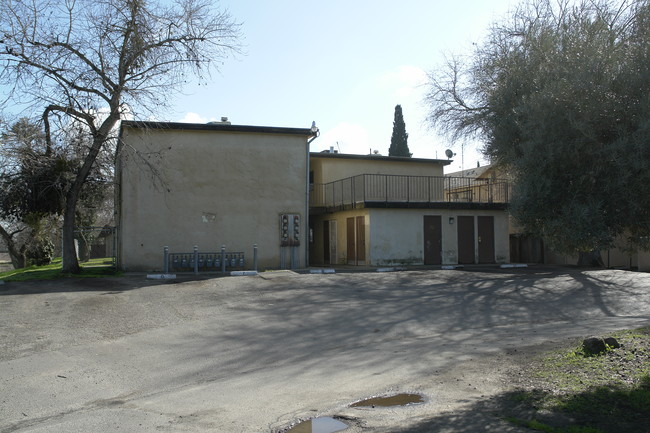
(258, 353)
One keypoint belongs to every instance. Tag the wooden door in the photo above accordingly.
(332, 243)
(361, 240)
(351, 241)
(485, 239)
(432, 240)
(356, 240)
(465, 240)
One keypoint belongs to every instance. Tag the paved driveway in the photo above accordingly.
(254, 354)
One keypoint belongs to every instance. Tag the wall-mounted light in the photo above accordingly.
(451, 220)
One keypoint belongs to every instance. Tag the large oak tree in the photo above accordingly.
(559, 92)
(91, 62)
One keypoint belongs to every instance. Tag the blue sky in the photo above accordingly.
(344, 64)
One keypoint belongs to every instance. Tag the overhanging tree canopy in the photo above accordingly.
(560, 93)
(92, 61)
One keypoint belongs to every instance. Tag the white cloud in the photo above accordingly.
(195, 118)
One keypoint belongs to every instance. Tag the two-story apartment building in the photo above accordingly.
(379, 210)
(181, 185)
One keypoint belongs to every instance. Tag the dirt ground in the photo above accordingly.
(259, 354)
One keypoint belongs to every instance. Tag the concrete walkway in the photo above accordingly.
(256, 354)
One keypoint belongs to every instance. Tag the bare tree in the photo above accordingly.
(92, 61)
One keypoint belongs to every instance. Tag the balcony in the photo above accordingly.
(394, 191)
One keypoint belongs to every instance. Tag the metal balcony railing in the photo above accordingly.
(365, 189)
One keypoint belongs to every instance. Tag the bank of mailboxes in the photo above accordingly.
(208, 260)
(290, 230)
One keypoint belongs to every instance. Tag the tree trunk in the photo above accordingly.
(590, 259)
(17, 255)
(70, 261)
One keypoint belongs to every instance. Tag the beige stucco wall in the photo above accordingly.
(329, 169)
(396, 236)
(208, 188)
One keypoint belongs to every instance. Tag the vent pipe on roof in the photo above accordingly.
(224, 121)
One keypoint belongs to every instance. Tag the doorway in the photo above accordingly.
(356, 240)
(485, 239)
(329, 242)
(432, 240)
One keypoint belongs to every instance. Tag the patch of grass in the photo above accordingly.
(94, 268)
(607, 393)
(624, 403)
(539, 426)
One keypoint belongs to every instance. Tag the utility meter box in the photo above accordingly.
(289, 230)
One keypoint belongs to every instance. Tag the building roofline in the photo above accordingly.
(378, 158)
(225, 127)
(474, 172)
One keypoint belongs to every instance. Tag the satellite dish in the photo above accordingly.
(449, 154)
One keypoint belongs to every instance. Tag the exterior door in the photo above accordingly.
(329, 242)
(356, 240)
(485, 239)
(361, 240)
(432, 240)
(351, 241)
(326, 243)
(465, 240)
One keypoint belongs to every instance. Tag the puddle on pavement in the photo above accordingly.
(393, 400)
(324, 424)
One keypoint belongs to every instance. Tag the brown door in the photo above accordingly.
(485, 239)
(465, 240)
(361, 240)
(432, 240)
(351, 242)
(326, 243)
(356, 240)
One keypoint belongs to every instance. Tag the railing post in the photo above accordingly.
(408, 190)
(196, 260)
(386, 190)
(166, 260)
(364, 189)
(446, 194)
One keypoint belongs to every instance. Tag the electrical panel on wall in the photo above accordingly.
(290, 230)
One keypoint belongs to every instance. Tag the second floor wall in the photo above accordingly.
(330, 167)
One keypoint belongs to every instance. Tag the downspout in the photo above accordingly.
(315, 132)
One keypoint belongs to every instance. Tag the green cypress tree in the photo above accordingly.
(398, 141)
